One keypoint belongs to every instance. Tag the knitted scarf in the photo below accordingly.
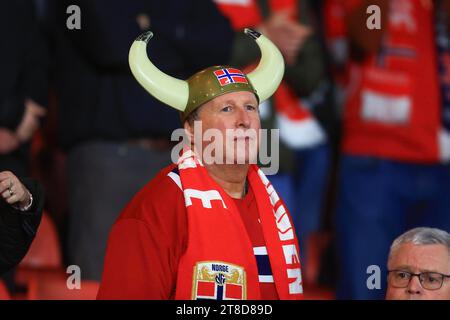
(219, 262)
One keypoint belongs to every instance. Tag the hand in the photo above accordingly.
(296, 35)
(30, 120)
(8, 141)
(286, 34)
(12, 190)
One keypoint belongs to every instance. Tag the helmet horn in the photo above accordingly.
(169, 90)
(268, 74)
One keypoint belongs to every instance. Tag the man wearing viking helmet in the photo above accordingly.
(194, 215)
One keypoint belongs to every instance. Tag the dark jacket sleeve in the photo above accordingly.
(17, 228)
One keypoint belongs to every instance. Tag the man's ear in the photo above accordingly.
(189, 130)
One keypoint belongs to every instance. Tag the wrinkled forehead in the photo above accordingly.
(234, 98)
(433, 257)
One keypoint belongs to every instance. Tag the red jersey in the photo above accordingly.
(393, 107)
(150, 236)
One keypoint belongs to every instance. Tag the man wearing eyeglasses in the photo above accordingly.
(419, 266)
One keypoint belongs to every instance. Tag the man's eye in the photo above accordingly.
(250, 107)
(402, 275)
(431, 278)
(226, 109)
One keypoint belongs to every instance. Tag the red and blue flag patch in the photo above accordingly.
(217, 280)
(227, 76)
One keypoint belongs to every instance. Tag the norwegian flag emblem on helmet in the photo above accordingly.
(227, 76)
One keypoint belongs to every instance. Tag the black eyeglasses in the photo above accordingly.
(428, 280)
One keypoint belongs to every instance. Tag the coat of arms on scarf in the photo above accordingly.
(217, 280)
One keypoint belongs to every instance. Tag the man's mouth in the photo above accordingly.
(245, 138)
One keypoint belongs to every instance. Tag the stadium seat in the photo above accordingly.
(45, 251)
(4, 294)
(316, 245)
(55, 288)
(43, 260)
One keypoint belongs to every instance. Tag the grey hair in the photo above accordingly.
(422, 237)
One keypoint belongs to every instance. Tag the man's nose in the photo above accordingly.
(414, 286)
(243, 118)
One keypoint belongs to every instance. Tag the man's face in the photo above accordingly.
(235, 117)
(416, 259)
